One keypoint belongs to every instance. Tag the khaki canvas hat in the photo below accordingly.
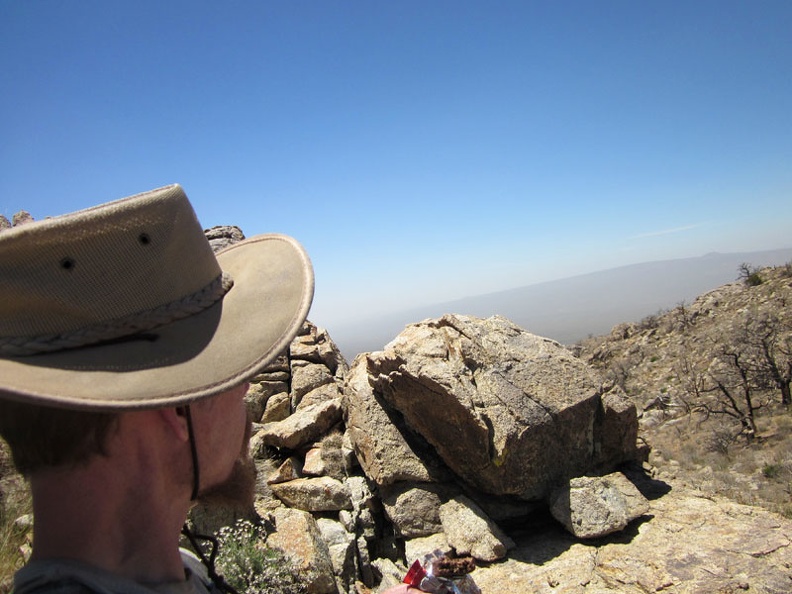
(125, 306)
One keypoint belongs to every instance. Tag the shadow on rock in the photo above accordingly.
(649, 487)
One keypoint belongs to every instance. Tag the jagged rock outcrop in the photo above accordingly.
(407, 500)
(20, 218)
(223, 235)
(509, 412)
(304, 469)
(350, 447)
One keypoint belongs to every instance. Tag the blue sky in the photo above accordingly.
(421, 151)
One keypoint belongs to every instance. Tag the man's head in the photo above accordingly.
(124, 307)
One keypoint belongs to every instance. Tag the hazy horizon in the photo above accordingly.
(572, 308)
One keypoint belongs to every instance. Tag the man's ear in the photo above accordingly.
(175, 419)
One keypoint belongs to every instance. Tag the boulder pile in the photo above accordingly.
(463, 437)
(458, 427)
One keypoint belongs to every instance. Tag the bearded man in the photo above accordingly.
(126, 345)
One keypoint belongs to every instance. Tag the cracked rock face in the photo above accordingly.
(509, 412)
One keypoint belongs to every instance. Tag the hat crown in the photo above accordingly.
(101, 264)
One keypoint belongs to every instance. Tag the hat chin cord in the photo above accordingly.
(194, 452)
(209, 562)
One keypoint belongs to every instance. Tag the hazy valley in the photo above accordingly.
(574, 308)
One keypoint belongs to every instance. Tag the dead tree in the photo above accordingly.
(772, 341)
(733, 389)
(732, 381)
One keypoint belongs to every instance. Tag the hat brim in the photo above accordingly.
(193, 358)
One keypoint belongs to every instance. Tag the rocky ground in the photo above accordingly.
(686, 543)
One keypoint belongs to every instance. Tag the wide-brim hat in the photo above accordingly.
(126, 306)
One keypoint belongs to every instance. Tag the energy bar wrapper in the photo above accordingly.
(442, 575)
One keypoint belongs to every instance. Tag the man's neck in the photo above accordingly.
(120, 518)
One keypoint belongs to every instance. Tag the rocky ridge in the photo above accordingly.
(673, 365)
(647, 358)
(457, 436)
(367, 510)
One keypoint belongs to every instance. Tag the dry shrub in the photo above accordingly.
(14, 503)
(714, 458)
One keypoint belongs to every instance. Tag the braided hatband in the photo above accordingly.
(18, 346)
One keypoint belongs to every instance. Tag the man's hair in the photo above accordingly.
(44, 437)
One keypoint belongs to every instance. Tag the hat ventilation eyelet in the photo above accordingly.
(144, 239)
(67, 264)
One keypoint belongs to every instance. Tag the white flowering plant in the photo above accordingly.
(250, 566)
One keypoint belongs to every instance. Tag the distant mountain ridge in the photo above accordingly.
(570, 309)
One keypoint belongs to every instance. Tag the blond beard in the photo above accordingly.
(239, 489)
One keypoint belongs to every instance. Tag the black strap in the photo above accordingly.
(194, 452)
(216, 578)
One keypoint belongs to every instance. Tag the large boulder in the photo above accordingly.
(509, 412)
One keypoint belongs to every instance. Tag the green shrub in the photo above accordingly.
(772, 471)
(250, 566)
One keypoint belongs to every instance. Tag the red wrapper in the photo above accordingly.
(415, 574)
(421, 575)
